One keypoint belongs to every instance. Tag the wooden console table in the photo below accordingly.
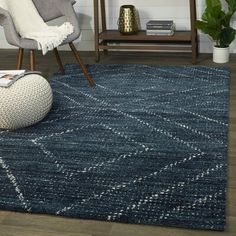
(181, 41)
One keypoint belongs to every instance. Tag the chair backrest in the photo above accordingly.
(48, 10)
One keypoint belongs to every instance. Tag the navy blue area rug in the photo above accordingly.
(147, 145)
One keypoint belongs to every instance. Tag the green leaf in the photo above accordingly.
(231, 6)
(227, 36)
(213, 32)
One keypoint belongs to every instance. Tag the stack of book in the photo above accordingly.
(160, 27)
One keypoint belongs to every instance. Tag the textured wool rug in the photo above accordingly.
(147, 145)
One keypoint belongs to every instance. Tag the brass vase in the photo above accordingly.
(128, 23)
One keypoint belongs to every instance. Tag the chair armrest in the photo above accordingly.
(68, 11)
(11, 34)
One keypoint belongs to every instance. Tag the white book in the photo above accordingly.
(160, 32)
(8, 77)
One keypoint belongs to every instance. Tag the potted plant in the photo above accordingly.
(216, 22)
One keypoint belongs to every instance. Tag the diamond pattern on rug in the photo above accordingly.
(147, 145)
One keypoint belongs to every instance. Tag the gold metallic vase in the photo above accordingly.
(127, 23)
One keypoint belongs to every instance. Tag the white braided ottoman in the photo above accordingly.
(25, 102)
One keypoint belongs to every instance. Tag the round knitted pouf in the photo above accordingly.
(25, 102)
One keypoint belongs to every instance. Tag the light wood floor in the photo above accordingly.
(19, 224)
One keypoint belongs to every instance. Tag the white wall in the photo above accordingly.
(147, 9)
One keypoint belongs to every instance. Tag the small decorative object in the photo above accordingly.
(216, 22)
(128, 22)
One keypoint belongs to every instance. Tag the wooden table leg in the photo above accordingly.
(96, 29)
(194, 38)
(104, 24)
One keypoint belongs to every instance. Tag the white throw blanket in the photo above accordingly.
(30, 24)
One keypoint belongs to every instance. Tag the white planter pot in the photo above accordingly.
(220, 55)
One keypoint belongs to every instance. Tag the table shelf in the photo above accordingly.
(107, 39)
(109, 35)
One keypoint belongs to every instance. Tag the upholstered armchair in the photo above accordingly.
(49, 10)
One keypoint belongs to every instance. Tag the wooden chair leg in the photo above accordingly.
(59, 62)
(32, 60)
(78, 59)
(19, 58)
